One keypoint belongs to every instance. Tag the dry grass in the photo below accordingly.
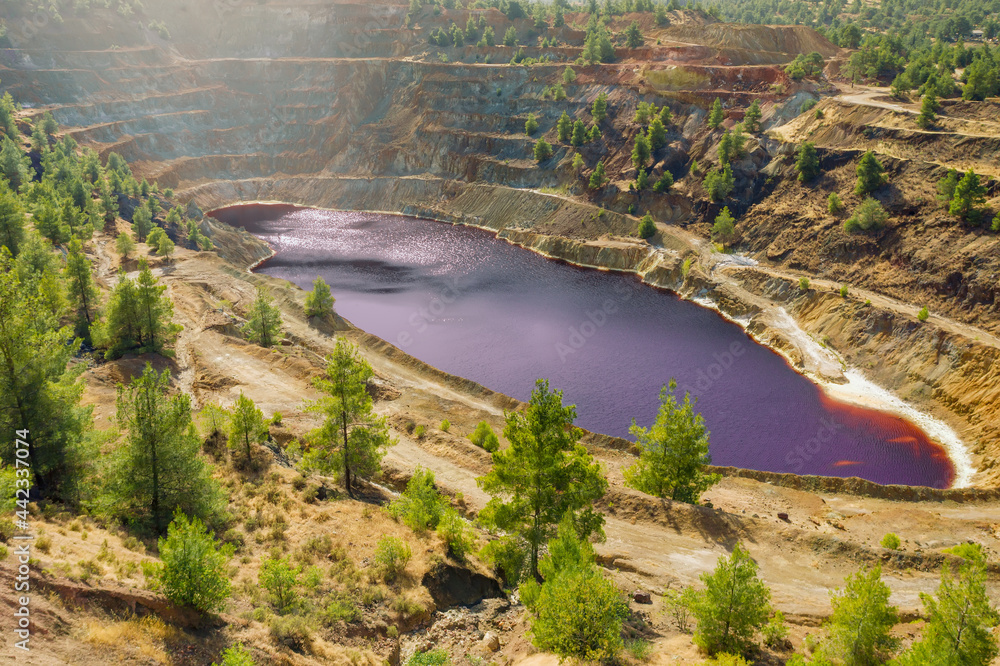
(148, 637)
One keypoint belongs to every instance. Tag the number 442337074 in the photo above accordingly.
(23, 465)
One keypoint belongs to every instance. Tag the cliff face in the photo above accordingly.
(342, 105)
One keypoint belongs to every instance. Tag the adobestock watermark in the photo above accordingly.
(22, 542)
(594, 320)
(706, 377)
(797, 457)
(420, 320)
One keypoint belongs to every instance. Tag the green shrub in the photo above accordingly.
(531, 124)
(292, 631)
(646, 226)
(579, 614)
(677, 606)
(719, 183)
(392, 554)
(843, 291)
(726, 659)
(775, 632)
(456, 534)
(281, 581)
(891, 541)
(194, 572)
(419, 432)
(420, 506)
(509, 556)
(833, 204)
(868, 215)
(968, 551)
(484, 437)
(804, 283)
(639, 648)
(431, 658)
(445, 425)
(236, 655)
(734, 606)
(341, 607)
(924, 314)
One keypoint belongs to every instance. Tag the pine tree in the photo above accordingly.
(564, 127)
(969, 196)
(542, 150)
(719, 183)
(833, 204)
(960, 620)
(246, 426)
(660, 15)
(49, 124)
(82, 288)
(600, 108)
(674, 452)
(579, 136)
(138, 316)
(870, 174)
(164, 246)
(352, 439)
(724, 229)
(319, 302)
(142, 223)
(8, 120)
(39, 141)
(807, 162)
(531, 124)
(633, 36)
(158, 470)
(733, 607)
(640, 151)
(725, 148)
(568, 76)
(646, 226)
(154, 308)
(657, 134)
(946, 187)
(559, 18)
(928, 110)
(643, 111)
(195, 569)
(715, 116)
(39, 393)
(13, 164)
(665, 182)
(597, 178)
(666, 115)
(858, 632)
(751, 120)
(124, 245)
(12, 220)
(543, 475)
(577, 162)
(109, 202)
(263, 325)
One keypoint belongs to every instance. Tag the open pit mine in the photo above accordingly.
(490, 333)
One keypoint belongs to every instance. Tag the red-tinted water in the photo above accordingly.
(475, 306)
